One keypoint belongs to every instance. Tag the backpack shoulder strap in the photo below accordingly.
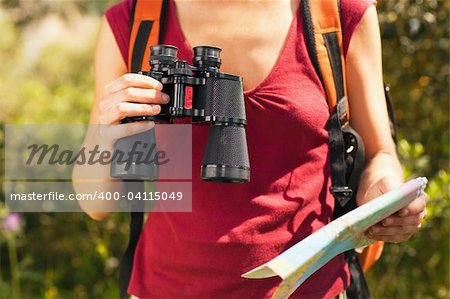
(323, 33)
(146, 27)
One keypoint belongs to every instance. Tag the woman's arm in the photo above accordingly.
(370, 119)
(117, 95)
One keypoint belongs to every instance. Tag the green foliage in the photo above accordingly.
(61, 255)
(56, 88)
(25, 13)
(418, 268)
(416, 65)
(67, 255)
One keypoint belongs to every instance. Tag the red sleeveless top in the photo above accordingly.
(235, 227)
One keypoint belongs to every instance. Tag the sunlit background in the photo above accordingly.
(46, 76)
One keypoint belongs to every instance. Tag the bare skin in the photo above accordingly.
(118, 95)
(251, 43)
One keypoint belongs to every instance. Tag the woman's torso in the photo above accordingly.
(234, 228)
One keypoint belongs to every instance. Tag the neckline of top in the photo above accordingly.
(251, 91)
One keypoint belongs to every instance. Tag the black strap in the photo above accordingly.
(309, 37)
(390, 107)
(133, 10)
(136, 223)
(340, 188)
(334, 54)
(126, 265)
(358, 288)
(355, 157)
(162, 20)
(139, 45)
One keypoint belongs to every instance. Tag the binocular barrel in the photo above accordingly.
(217, 98)
(135, 157)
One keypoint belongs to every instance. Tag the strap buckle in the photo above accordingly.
(341, 110)
(342, 194)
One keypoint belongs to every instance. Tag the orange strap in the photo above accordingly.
(370, 255)
(325, 18)
(144, 32)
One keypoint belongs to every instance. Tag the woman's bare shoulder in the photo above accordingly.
(108, 65)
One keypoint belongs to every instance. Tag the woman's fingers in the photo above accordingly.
(383, 185)
(135, 95)
(125, 109)
(403, 224)
(116, 132)
(396, 228)
(415, 207)
(393, 239)
(380, 231)
(132, 80)
(396, 220)
(131, 95)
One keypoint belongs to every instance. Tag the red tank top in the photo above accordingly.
(235, 227)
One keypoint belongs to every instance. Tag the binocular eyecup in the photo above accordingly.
(161, 54)
(207, 56)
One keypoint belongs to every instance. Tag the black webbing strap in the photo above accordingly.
(390, 107)
(132, 13)
(358, 288)
(136, 223)
(162, 20)
(355, 162)
(337, 122)
(341, 192)
(139, 45)
(334, 54)
(309, 37)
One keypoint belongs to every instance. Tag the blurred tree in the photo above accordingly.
(416, 64)
(415, 37)
(61, 255)
(26, 13)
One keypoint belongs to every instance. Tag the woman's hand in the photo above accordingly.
(402, 225)
(127, 96)
(130, 95)
(117, 95)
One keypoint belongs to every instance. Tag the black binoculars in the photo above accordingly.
(217, 99)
